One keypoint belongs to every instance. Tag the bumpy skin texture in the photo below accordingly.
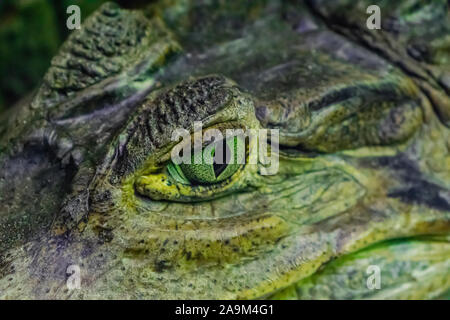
(364, 156)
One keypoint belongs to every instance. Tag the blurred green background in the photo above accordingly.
(31, 32)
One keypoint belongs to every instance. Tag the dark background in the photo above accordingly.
(31, 32)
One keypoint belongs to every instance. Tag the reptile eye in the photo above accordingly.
(217, 168)
(212, 164)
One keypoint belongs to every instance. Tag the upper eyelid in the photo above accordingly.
(226, 125)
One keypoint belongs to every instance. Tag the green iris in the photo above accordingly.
(212, 164)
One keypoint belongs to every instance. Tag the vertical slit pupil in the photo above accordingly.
(221, 157)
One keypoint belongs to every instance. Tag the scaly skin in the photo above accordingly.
(364, 165)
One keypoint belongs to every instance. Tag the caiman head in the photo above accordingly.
(357, 135)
